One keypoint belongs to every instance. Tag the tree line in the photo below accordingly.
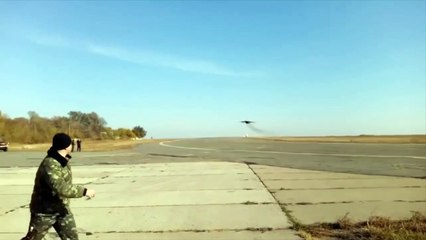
(37, 129)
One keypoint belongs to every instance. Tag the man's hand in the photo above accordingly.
(90, 193)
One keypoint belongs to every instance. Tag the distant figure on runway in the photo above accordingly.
(78, 145)
(72, 144)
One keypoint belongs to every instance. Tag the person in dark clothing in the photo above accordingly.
(72, 144)
(52, 191)
(78, 145)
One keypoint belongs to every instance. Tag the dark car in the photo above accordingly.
(3, 145)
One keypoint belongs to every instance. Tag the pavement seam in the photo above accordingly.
(16, 208)
(172, 175)
(315, 179)
(241, 203)
(252, 229)
(295, 223)
(178, 205)
(107, 175)
(344, 202)
(341, 188)
(260, 229)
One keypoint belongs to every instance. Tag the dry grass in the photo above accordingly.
(355, 139)
(88, 145)
(376, 228)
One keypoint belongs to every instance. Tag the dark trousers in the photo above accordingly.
(41, 223)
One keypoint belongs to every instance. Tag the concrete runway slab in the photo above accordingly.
(314, 196)
(16, 189)
(381, 182)
(212, 200)
(350, 195)
(207, 235)
(180, 183)
(158, 198)
(312, 175)
(10, 202)
(162, 201)
(163, 218)
(17, 179)
(28, 179)
(180, 172)
(271, 169)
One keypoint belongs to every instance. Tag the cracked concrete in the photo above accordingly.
(318, 196)
(209, 200)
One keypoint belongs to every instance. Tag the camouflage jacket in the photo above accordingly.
(53, 186)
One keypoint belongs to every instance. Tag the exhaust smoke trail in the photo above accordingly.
(252, 128)
(255, 129)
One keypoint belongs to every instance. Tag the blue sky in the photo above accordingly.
(196, 68)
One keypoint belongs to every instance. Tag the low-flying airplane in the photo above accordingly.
(247, 122)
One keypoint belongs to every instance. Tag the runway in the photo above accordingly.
(217, 198)
(407, 160)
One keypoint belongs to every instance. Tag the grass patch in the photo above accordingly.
(376, 228)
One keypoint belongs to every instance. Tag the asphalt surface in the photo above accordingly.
(408, 160)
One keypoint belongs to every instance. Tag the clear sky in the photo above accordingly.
(197, 68)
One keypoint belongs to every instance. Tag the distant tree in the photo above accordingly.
(139, 131)
(3, 119)
(37, 129)
(40, 128)
(87, 125)
(96, 125)
(108, 133)
(124, 133)
(60, 124)
(19, 130)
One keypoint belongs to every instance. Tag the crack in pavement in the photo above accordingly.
(251, 229)
(184, 205)
(366, 201)
(341, 188)
(171, 155)
(290, 218)
(14, 209)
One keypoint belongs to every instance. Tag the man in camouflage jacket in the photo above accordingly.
(52, 189)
